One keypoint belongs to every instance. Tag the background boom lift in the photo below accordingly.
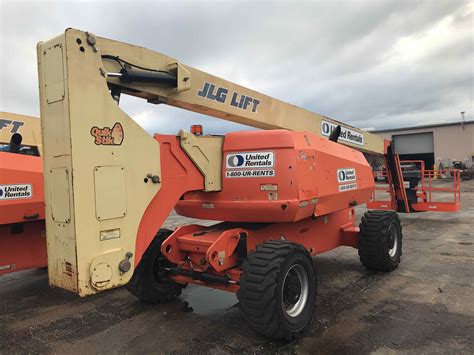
(285, 192)
(22, 226)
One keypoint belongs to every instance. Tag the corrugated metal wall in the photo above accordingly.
(450, 142)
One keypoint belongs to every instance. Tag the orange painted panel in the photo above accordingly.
(21, 188)
(282, 176)
(179, 176)
(22, 227)
(22, 247)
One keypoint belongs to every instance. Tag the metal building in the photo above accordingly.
(440, 143)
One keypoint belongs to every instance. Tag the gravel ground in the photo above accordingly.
(425, 306)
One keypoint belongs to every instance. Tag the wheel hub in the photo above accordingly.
(392, 242)
(292, 289)
(295, 291)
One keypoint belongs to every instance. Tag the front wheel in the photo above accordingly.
(380, 240)
(150, 282)
(278, 289)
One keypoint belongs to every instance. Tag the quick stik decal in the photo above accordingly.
(107, 135)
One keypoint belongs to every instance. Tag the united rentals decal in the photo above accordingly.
(251, 173)
(16, 191)
(107, 135)
(250, 164)
(347, 135)
(346, 178)
(346, 175)
(347, 187)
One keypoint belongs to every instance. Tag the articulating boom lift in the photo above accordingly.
(284, 193)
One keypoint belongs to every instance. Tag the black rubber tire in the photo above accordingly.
(375, 240)
(150, 284)
(261, 289)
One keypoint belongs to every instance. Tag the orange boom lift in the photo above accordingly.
(285, 193)
(22, 226)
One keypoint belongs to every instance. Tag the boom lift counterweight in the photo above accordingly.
(285, 193)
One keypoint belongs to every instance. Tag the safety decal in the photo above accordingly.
(16, 191)
(347, 135)
(107, 135)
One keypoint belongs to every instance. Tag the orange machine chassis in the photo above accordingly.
(195, 248)
(213, 256)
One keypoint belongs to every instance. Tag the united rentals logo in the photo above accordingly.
(235, 161)
(250, 160)
(107, 135)
(347, 135)
(16, 191)
(346, 178)
(250, 164)
(346, 175)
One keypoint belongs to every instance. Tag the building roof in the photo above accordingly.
(458, 123)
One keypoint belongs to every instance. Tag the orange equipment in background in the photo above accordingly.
(22, 227)
(423, 189)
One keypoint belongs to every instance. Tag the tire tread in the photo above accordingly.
(374, 229)
(257, 289)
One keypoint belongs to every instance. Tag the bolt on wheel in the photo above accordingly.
(295, 290)
(380, 240)
(278, 289)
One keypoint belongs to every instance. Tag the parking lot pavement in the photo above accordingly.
(425, 306)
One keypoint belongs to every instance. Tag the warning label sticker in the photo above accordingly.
(347, 187)
(17, 191)
(250, 173)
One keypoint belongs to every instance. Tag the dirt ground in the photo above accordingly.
(425, 306)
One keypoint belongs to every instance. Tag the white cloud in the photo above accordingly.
(413, 49)
(372, 64)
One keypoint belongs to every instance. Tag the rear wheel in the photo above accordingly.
(380, 240)
(278, 289)
(150, 282)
